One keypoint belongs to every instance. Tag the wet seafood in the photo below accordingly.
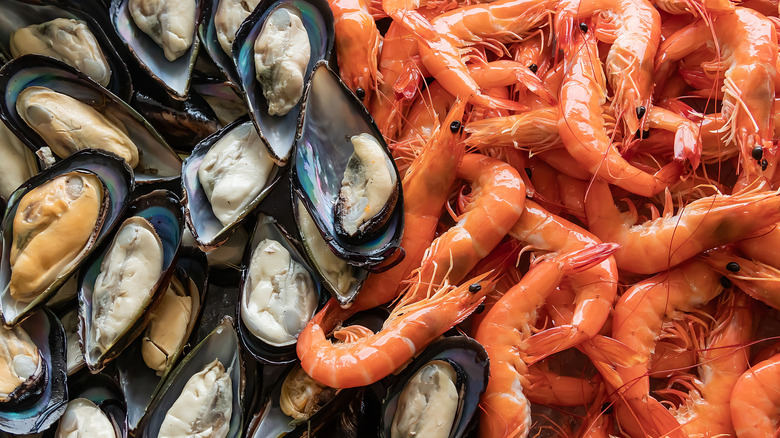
(301, 396)
(21, 362)
(83, 419)
(19, 163)
(168, 329)
(170, 23)
(229, 15)
(430, 393)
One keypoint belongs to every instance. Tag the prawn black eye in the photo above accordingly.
(606, 408)
(583, 27)
(757, 153)
(642, 134)
(474, 288)
(454, 126)
(732, 266)
(533, 68)
(725, 282)
(764, 164)
(480, 308)
(360, 93)
(640, 112)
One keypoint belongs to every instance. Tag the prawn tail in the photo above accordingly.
(610, 351)
(687, 146)
(670, 173)
(602, 348)
(586, 258)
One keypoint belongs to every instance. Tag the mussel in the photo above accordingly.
(32, 268)
(96, 408)
(268, 35)
(18, 164)
(113, 124)
(123, 283)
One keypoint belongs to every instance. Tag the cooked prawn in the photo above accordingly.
(755, 400)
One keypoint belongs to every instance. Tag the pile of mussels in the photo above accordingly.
(144, 295)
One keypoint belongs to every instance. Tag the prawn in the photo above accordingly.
(759, 280)
(686, 139)
(581, 125)
(506, 412)
(357, 46)
(669, 240)
(755, 400)
(637, 322)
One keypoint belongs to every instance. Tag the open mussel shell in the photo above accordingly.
(139, 382)
(205, 227)
(69, 317)
(221, 344)
(280, 132)
(17, 14)
(117, 180)
(40, 410)
(175, 75)
(157, 161)
(469, 361)
(332, 116)
(264, 350)
(104, 392)
(162, 210)
(208, 37)
(222, 99)
(341, 279)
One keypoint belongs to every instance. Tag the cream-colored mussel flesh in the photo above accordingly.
(230, 14)
(18, 164)
(68, 40)
(337, 272)
(19, 360)
(125, 284)
(74, 356)
(83, 419)
(204, 406)
(301, 396)
(428, 403)
(167, 331)
(282, 53)
(234, 171)
(68, 125)
(368, 184)
(279, 297)
(52, 226)
(170, 23)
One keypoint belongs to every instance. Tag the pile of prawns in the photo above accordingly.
(583, 179)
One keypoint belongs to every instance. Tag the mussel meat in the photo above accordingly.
(83, 418)
(18, 164)
(228, 17)
(204, 406)
(170, 23)
(51, 228)
(282, 53)
(68, 125)
(430, 394)
(20, 362)
(68, 40)
(168, 329)
(301, 396)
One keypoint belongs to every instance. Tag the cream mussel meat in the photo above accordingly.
(18, 164)
(430, 393)
(228, 17)
(204, 407)
(368, 191)
(83, 419)
(167, 332)
(170, 23)
(301, 396)
(68, 125)
(282, 53)
(75, 356)
(20, 362)
(68, 40)
(52, 227)
(274, 52)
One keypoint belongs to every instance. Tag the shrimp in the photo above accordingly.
(706, 409)
(506, 412)
(357, 45)
(757, 279)
(755, 400)
(686, 139)
(411, 326)
(595, 287)
(548, 388)
(669, 240)
(633, 27)
(504, 73)
(697, 8)
(581, 125)
(637, 322)
(489, 211)
(536, 129)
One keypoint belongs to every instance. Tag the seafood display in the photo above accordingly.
(343, 218)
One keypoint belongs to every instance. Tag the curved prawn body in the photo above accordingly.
(488, 212)
(536, 129)
(706, 411)
(633, 27)
(697, 8)
(595, 287)
(503, 330)
(411, 326)
(357, 45)
(504, 73)
(581, 125)
(638, 322)
(755, 401)
(667, 241)
(548, 388)
(759, 280)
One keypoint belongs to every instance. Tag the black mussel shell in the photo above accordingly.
(469, 360)
(163, 211)
(117, 179)
(22, 13)
(222, 99)
(280, 132)
(157, 161)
